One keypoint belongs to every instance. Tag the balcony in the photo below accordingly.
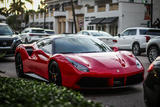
(58, 13)
(113, 7)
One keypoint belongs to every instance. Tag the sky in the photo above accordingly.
(28, 5)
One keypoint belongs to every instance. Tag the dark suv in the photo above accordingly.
(8, 41)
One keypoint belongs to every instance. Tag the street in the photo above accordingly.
(124, 97)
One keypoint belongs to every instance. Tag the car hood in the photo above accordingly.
(102, 62)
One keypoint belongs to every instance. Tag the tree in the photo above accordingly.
(4, 11)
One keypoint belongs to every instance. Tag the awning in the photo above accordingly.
(108, 20)
(96, 21)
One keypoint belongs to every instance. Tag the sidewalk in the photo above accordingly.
(2, 74)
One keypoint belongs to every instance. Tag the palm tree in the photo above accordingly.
(18, 7)
(4, 11)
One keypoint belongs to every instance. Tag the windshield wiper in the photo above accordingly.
(91, 52)
(66, 52)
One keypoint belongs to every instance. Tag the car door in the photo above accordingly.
(41, 57)
(121, 39)
(126, 39)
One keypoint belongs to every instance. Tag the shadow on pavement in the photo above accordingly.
(111, 92)
(6, 59)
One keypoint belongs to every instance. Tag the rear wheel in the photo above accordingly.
(54, 73)
(146, 101)
(19, 65)
(136, 49)
(153, 53)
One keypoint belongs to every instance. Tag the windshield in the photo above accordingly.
(150, 32)
(80, 45)
(50, 32)
(101, 34)
(5, 30)
(38, 31)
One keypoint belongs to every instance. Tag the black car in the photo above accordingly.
(152, 85)
(8, 41)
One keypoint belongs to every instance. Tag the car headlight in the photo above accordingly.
(78, 66)
(138, 64)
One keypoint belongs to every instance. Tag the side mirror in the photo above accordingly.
(115, 49)
(119, 35)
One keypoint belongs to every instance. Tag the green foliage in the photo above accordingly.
(13, 22)
(24, 93)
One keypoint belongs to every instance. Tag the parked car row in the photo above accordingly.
(86, 62)
(135, 39)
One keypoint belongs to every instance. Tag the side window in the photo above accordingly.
(129, 32)
(132, 32)
(85, 33)
(45, 45)
(125, 33)
(26, 31)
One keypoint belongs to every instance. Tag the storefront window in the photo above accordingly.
(90, 9)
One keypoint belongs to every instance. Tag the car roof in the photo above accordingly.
(48, 30)
(141, 28)
(93, 30)
(67, 36)
(35, 28)
(3, 24)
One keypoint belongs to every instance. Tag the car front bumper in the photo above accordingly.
(103, 81)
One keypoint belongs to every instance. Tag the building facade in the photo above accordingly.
(112, 16)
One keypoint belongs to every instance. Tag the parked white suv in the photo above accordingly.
(136, 38)
(29, 35)
(101, 35)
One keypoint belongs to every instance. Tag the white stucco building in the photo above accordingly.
(112, 16)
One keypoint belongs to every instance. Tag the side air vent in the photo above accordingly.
(29, 50)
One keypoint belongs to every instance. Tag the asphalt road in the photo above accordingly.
(124, 97)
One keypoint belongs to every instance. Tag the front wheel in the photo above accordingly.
(54, 73)
(153, 53)
(19, 65)
(136, 49)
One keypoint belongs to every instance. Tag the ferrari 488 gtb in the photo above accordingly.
(78, 62)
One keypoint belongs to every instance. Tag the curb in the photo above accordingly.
(3, 75)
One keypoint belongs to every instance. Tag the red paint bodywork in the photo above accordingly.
(100, 65)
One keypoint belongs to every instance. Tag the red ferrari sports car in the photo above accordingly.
(78, 62)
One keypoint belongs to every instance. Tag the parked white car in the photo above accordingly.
(103, 36)
(49, 31)
(29, 35)
(136, 38)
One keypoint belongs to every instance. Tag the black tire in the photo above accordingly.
(146, 101)
(153, 53)
(19, 65)
(54, 73)
(136, 49)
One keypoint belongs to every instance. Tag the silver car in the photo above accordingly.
(101, 35)
(153, 49)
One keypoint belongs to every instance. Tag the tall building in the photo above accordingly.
(112, 16)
